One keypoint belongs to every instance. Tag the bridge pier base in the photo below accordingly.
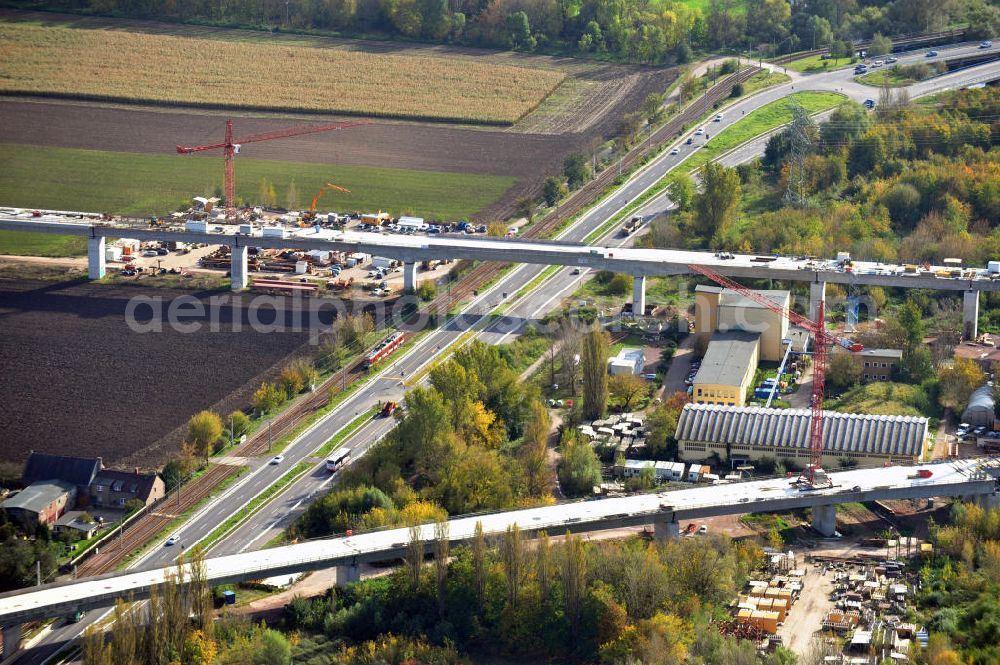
(664, 531)
(638, 295)
(825, 520)
(988, 501)
(11, 640)
(970, 315)
(348, 574)
(238, 272)
(817, 294)
(409, 276)
(96, 259)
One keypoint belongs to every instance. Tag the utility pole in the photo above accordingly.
(38, 572)
(269, 435)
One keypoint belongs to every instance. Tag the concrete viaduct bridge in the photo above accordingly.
(972, 479)
(410, 250)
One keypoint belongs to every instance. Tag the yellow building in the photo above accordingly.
(727, 370)
(722, 310)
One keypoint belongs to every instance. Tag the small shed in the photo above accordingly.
(980, 411)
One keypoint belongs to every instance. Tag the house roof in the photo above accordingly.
(882, 353)
(731, 298)
(126, 481)
(901, 436)
(69, 520)
(36, 496)
(727, 358)
(79, 471)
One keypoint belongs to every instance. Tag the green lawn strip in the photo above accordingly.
(888, 76)
(144, 184)
(345, 432)
(815, 63)
(179, 520)
(255, 504)
(761, 80)
(768, 117)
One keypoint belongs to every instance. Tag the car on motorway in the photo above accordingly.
(986, 44)
(172, 540)
(675, 151)
(576, 271)
(718, 117)
(76, 617)
(700, 131)
(703, 529)
(869, 104)
(891, 60)
(277, 459)
(689, 141)
(931, 54)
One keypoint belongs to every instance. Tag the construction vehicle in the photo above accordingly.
(388, 409)
(813, 477)
(231, 147)
(922, 473)
(310, 214)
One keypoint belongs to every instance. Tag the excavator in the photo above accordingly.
(311, 213)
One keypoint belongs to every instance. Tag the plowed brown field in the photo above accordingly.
(77, 380)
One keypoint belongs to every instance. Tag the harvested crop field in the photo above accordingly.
(78, 380)
(120, 66)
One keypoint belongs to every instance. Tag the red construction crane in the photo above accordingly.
(231, 146)
(813, 476)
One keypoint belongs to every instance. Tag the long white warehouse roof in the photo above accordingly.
(899, 436)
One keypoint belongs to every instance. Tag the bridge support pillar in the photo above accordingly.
(664, 531)
(11, 640)
(638, 295)
(825, 520)
(409, 276)
(348, 574)
(238, 272)
(96, 259)
(988, 501)
(970, 315)
(817, 294)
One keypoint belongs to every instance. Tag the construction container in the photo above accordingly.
(275, 232)
(301, 267)
(112, 253)
(246, 229)
(196, 227)
(383, 262)
(766, 621)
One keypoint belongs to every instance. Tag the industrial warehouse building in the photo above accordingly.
(980, 411)
(750, 433)
(727, 370)
(723, 310)
(878, 364)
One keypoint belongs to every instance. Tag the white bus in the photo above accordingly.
(338, 460)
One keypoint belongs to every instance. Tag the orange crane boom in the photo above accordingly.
(814, 474)
(231, 146)
(322, 190)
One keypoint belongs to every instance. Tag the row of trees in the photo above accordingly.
(612, 602)
(634, 30)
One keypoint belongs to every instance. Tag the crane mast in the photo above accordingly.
(231, 147)
(814, 476)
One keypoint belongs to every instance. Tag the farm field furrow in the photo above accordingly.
(118, 66)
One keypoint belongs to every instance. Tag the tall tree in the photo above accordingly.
(719, 201)
(204, 429)
(627, 388)
(594, 361)
(957, 383)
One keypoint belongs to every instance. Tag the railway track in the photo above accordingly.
(115, 549)
(899, 43)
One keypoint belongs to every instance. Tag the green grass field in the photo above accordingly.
(762, 120)
(41, 244)
(890, 76)
(816, 64)
(140, 185)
